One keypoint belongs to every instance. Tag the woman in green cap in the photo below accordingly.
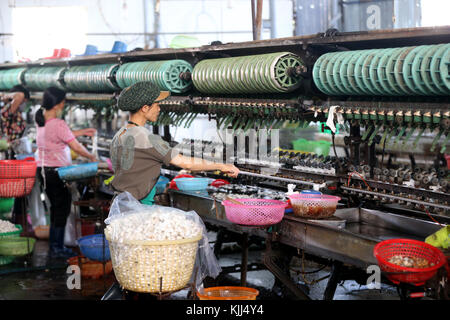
(137, 154)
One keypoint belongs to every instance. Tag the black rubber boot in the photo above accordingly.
(57, 247)
(52, 245)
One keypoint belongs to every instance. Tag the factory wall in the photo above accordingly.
(126, 20)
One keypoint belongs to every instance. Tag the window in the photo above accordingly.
(39, 30)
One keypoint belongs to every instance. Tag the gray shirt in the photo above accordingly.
(137, 156)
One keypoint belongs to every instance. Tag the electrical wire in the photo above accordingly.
(357, 173)
(303, 273)
(431, 217)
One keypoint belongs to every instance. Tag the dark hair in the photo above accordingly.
(20, 88)
(52, 96)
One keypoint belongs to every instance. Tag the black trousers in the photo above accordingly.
(59, 195)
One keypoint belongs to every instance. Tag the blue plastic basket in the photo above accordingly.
(92, 247)
(24, 156)
(79, 171)
(161, 184)
(193, 184)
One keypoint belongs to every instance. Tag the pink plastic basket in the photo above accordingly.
(317, 206)
(254, 212)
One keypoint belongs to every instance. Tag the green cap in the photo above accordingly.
(140, 94)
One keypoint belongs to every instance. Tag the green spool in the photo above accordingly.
(416, 67)
(425, 70)
(408, 70)
(343, 75)
(361, 72)
(41, 78)
(398, 71)
(324, 74)
(11, 77)
(280, 72)
(316, 76)
(390, 71)
(335, 73)
(435, 69)
(382, 72)
(351, 73)
(94, 78)
(373, 72)
(444, 68)
(165, 74)
(247, 74)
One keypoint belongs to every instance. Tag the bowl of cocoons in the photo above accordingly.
(153, 251)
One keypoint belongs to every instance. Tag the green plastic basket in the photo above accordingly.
(322, 147)
(12, 234)
(4, 260)
(16, 246)
(6, 204)
(300, 144)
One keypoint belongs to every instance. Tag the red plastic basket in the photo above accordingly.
(254, 212)
(16, 188)
(219, 182)
(386, 249)
(173, 184)
(17, 177)
(14, 169)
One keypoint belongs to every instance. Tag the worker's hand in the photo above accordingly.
(92, 158)
(89, 132)
(230, 169)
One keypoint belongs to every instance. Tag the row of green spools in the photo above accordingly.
(265, 73)
(414, 70)
(417, 70)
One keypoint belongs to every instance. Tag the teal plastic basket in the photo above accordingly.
(161, 184)
(193, 184)
(79, 171)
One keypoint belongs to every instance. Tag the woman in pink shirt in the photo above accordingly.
(54, 140)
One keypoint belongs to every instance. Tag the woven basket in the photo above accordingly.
(140, 265)
(12, 234)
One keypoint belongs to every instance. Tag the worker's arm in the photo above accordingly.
(78, 148)
(197, 164)
(17, 99)
(84, 132)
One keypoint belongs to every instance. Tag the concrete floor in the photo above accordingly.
(49, 279)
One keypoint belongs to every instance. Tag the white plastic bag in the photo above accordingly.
(37, 210)
(73, 228)
(125, 205)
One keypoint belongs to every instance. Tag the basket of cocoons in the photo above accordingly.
(153, 250)
(7, 231)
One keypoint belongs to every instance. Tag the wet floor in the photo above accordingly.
(40, 278)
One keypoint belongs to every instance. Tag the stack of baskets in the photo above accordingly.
(17, 177)
(12, 245)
